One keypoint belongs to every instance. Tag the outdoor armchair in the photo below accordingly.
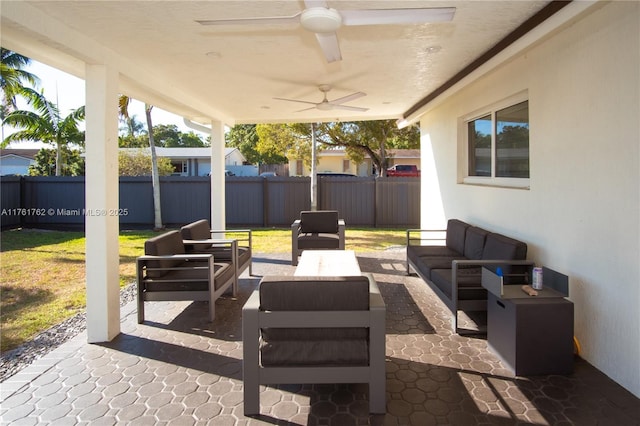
(316, 230)
(304, 330)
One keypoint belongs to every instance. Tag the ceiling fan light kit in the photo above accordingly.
(320, 20)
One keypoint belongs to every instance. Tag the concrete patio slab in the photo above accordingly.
(178, 368)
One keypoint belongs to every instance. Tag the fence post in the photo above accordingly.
(265, 202)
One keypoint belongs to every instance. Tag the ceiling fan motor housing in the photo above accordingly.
(320, 19)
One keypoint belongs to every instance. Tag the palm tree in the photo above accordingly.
(12, 79)
(44, 124)
(123, 108)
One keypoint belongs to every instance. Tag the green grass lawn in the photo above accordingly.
(43, 272)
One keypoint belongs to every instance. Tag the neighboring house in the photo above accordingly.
(336, 161)
(196, 161)
(16, 161)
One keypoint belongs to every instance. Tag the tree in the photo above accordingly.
(45, 125)
(282, 141)
(359, 138)
(168, 135)
(123, 109)
(132, 126)
(245, 138)
(45, 162)
(12, 79)
(138, 163)
(371, 138)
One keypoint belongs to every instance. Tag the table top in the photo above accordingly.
(328, 263)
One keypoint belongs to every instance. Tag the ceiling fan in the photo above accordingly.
(327, 105)
(322, 20)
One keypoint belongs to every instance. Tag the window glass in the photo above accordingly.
(479, 136)
(512, 141)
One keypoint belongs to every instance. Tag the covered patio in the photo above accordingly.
(575, 64)
(177, 368)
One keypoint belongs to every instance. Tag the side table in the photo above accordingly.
(533, 335)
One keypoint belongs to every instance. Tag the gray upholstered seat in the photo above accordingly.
(298, 330)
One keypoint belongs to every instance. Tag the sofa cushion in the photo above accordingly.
(416, 252)
(427, 264)
(456, 232)
(166, 244)
(190, 278)
(500, 247)
(474, 242)
(321, 221)
(318, 241)
(469, 283)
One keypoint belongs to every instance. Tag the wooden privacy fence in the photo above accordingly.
(59, 202)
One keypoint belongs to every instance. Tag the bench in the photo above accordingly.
(450, 262)
(167, 273)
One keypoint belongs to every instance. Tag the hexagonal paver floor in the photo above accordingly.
(178, 368)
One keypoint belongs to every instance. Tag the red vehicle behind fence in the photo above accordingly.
(403, 170)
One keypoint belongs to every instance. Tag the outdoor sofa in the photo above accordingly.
(298, 330)
(453, 269)
(166, 272)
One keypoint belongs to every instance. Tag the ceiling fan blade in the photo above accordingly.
(315, 3)
(397, 16)
(330, 47)
(347, 98)
(349, 108)
(306, 109)
(295, 100)
(244, 21)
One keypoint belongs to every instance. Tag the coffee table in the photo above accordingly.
(332, 263)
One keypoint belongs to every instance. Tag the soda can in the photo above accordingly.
(537, 278)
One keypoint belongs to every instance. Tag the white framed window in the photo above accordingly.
(180, 168)
(495, 142)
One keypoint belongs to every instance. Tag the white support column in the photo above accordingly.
(103, 289)
(218, 219)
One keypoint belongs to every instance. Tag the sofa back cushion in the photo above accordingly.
(456, 232)
(500, 247)
(166, 244)
(322, 221)
(199, 230)
(474, 242)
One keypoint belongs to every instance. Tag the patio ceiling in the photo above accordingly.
(233, 73)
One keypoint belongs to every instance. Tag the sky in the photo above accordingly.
(69, 92)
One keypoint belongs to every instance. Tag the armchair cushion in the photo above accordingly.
(318, 241)
(199, 230)
(312, 346)
(163, 245)
(324, 221)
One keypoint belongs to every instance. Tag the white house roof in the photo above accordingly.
(186, 152)
(29, 154)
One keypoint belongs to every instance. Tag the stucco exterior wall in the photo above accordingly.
(581, 215)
